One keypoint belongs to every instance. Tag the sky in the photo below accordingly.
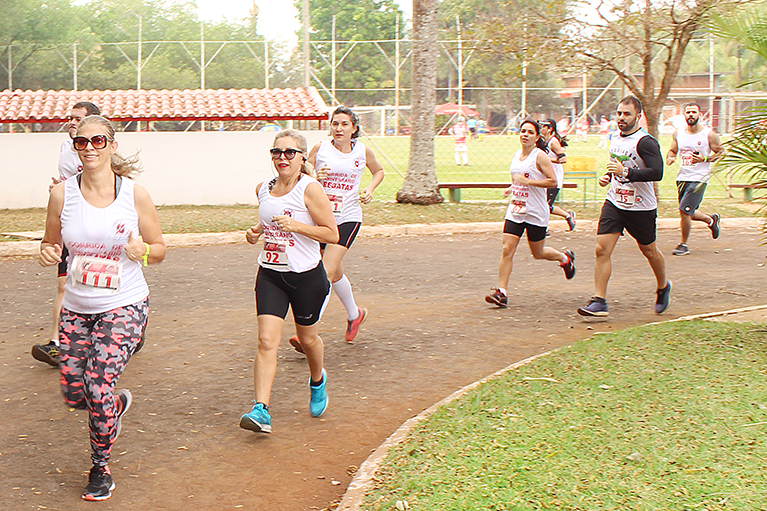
(277, 19)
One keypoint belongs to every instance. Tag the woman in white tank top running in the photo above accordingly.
(295, 217)
(340, 163)
(531, 173)
(110, 228)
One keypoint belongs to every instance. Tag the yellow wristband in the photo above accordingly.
(146, 254)
(705, 159)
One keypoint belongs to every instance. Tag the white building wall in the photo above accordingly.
(213, 167)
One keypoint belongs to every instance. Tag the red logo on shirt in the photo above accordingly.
(288, 212)
(120, 229)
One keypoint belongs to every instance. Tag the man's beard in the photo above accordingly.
(692, 121)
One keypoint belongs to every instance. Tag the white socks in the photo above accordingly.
(343, 289)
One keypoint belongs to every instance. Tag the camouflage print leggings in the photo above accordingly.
(95, 349)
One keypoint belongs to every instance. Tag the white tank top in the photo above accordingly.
(559, 169)
(625, 194)
(287, 251)
(536, 207)
(343, 181)
(101, 233)
(688, 144)
(69, 162)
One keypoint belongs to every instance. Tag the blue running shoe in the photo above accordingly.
(594, 308)
(664, 298)
(257, 420)
(318, 403)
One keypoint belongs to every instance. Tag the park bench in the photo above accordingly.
(454, 189)
(748, 189)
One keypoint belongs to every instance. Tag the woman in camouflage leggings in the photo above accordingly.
(110, 228)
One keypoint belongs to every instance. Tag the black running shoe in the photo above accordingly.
(497, 298)
(100, 484)
(715, 225)
(139, 345)
(569, 267)
(123, 400)
(681, 250)
(48, 353)
(664, 298)
(571, 220)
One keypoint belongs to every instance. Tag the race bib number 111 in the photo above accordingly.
(96, 273)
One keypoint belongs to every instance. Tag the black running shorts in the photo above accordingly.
(551, 197)
(63, 263)
(639, 224)
(307, 293)
(690, 195)
(347, 232)
(534, 232)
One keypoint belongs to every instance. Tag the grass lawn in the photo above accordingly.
(489, 159)
(671, 416)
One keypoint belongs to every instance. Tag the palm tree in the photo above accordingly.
(746, 152)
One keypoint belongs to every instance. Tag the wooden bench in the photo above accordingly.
(454, 189)
(748, 189)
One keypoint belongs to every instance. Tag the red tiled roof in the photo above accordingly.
(166, 105)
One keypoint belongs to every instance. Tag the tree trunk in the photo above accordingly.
(420, 185)
(652, 113)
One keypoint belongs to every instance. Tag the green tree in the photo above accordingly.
(655, 33)
(28, 28)
(365, 67)
(510, 41)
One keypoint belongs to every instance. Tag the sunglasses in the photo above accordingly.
(97, 141)
(289, 153)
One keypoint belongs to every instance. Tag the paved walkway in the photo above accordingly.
(429, 333)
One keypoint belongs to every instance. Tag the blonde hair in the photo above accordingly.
(122, 166)
(306, 168)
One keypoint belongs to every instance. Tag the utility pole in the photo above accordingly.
(305, 45)
(396, 78)
(460, 64)
(74, 62)
(140, 57)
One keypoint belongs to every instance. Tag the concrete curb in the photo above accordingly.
(363, 479)
(30, 248)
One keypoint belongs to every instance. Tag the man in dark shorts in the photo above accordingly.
(635, 163)
(697, 146)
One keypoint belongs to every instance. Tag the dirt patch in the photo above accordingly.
(428, 334)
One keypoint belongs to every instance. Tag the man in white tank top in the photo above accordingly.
(69, 166)
(698, 146)
(635, 164)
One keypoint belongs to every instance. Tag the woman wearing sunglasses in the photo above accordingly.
(110, 227)
(531, 174)
(340, 163)
(295, 218)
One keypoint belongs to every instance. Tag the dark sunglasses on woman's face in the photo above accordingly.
(289, 153)
(97, 141)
